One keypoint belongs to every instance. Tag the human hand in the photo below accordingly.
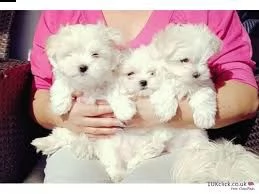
(146, 117)
(95, 120)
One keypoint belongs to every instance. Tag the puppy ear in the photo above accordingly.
(214, 42)
(162, 38)
(52, 46)
(114, 36)
(121, 59)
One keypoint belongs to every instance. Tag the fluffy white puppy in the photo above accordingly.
(84, 58)
(214, 162)
(186, 49)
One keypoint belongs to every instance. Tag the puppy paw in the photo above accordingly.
(164, 112)
(60, 97)
(125, 114)
(46, 145)
(124, 110)
(83, 148)
(203, 120)
(133, 163)
(116, 175)
(61, 106)
(164, 107)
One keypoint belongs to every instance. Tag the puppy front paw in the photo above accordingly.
(116, 175)
(203, 119)
(125, 113)
(123, 108)
(47, 145)
(61, 106)
(165, 107)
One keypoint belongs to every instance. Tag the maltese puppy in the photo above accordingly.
(84, 58)
(186, 50)
(214, 162)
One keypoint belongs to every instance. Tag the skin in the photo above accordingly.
(236, 101)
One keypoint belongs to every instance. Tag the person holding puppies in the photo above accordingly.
(232, 73)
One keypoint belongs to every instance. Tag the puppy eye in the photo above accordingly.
(130, 74)
(152, 73)
(185, 60)
(95, 55)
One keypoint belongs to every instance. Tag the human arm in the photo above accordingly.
(236, 102)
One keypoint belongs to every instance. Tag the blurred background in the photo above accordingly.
(22, 33)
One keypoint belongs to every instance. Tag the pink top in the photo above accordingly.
(234, 61)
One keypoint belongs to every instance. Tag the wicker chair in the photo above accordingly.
(17, 129)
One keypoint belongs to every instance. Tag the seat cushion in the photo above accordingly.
(37, 174)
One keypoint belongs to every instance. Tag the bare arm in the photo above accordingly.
(236, 102)
(42, 113)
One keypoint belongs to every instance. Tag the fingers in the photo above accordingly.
(77, 94)
(92, 131)
(101, 102)
(109, 115)
(94, 137)
(101, 122)
(94, 110)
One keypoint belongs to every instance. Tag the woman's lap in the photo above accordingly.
(63, 167)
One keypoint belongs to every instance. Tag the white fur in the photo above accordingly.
(214, 161)
(196, 44)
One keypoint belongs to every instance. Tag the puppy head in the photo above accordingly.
(85, 54)
(186, 49)
(139, 73)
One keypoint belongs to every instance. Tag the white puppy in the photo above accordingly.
(84, 58)
(186, 50)
(215, 162)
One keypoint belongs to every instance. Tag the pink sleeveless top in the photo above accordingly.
(233, 63)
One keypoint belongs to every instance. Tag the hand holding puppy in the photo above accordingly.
(95, 120)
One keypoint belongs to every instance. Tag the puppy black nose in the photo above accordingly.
(143, 83)
(196, 75)
(83, 68)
